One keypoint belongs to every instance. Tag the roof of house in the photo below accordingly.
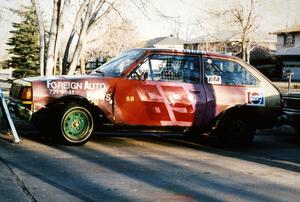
(295, 28)
(229, 36)
(164, 41)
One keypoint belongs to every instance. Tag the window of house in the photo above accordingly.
(289, 40)
(225, 72)
(168, 68)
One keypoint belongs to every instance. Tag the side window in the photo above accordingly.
(168, 68)
(227, 72)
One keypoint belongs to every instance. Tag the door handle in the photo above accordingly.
(195, 91)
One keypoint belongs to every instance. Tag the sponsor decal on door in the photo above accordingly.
(255, 98)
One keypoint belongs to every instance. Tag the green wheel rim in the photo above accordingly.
(76, 124)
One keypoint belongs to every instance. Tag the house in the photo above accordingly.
(165, 42)
(226, 42)
(288, 49)
(222, 42)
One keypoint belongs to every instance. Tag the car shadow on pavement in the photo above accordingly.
(266, 149)
(156, 167)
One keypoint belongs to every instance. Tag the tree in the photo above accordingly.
(118, 37)
(42, 37)
(25, 44)
(89, 14)
(233, 27)
(245, 19)
(58, 18)
(116, 34)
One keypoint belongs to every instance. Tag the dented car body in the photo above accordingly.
(191, 91)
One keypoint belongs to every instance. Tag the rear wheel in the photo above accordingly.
(75, 124)
(298, 130)
(235, 129)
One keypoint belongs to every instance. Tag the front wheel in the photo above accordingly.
(76, 124)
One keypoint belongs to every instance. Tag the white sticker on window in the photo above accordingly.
(214, 80)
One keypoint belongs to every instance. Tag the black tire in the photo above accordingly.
(234, 129)
(74, 124)
(42, 123)
(298, 130)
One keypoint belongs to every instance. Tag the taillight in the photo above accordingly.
(26, 94)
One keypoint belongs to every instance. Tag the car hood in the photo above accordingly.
(61, 77)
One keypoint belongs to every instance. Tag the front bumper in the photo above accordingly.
(20, 111)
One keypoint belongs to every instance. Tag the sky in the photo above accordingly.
(273, 15)
(191, 18)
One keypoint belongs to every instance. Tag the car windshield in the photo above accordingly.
(116, 66)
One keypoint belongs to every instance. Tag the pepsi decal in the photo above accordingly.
(255, 98)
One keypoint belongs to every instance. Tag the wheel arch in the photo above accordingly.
(247, 111)
(236, 126)
(259, 117)
(97, 112)
(70, 98)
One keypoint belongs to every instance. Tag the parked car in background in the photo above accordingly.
(291, 110)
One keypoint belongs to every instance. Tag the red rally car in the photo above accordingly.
(190, 91)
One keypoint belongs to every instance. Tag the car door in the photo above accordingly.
(227, 84)
(163, 90)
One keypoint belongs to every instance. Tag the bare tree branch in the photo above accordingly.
(146, 6)
(96, 20)
(76, 24)
(53, 31)
(97, 10)
(245, 19)
(60, 27)
(82, 35)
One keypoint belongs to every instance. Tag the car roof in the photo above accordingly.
(188, 51)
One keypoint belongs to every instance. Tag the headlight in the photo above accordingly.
(21, 90)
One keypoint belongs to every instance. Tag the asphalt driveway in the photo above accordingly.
(150, 167)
